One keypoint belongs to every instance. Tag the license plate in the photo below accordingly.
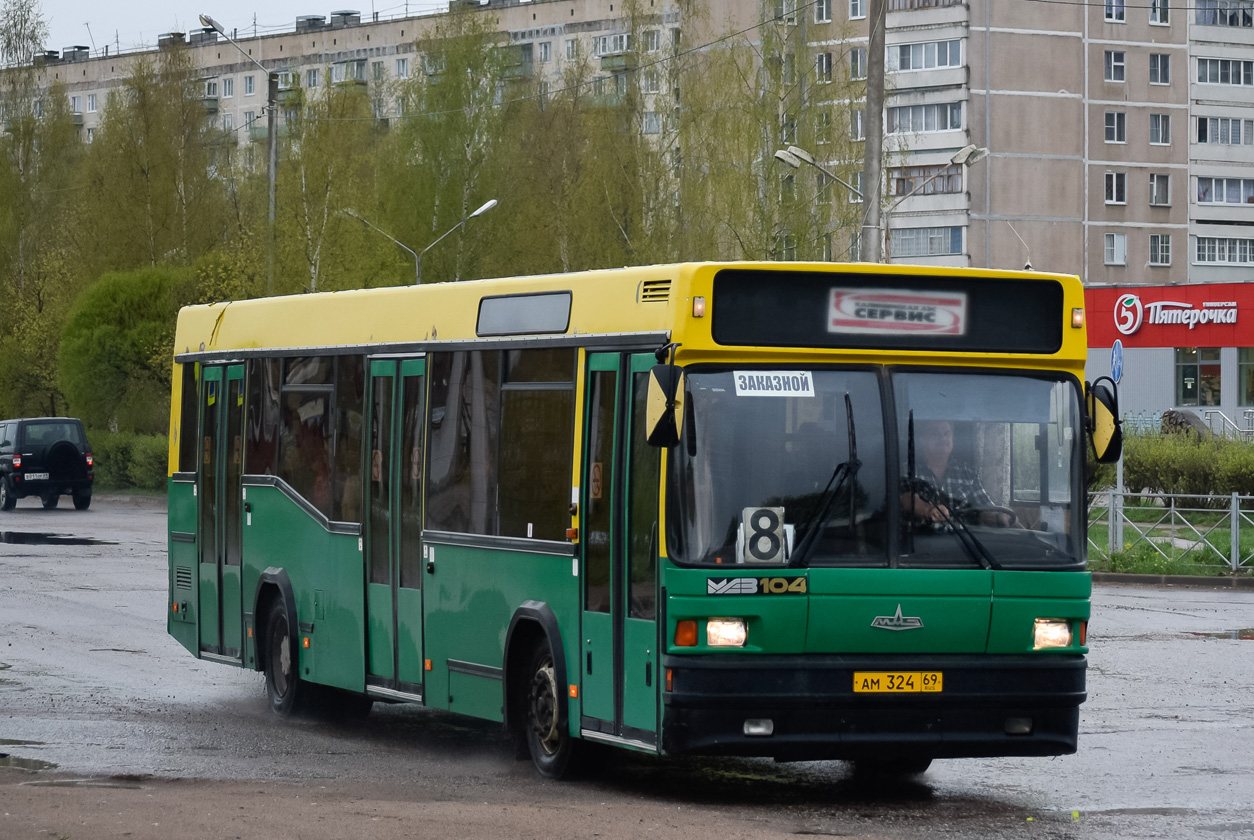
(896, 682)
(36, 476)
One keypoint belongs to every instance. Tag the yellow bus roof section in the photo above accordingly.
(640, 300)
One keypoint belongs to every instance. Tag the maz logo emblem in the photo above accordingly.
(897, 621)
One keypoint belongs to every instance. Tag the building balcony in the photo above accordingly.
(619, 62)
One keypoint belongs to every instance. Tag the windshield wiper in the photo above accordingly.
(844, 470)
(970, 542)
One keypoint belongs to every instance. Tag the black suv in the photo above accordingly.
(44, 457)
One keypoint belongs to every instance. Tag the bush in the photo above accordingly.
(125, 460)
(1186, 465)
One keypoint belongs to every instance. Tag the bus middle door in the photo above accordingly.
(394, 664)
(219, 488)
(620, 510)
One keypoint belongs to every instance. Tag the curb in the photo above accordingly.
(1216, 582)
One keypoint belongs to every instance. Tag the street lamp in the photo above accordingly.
(794, 156)
(272, 132)
(483, 208)
(347, 211)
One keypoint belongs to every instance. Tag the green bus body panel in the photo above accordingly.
(379, 614)
(471, 598)
(409, 634)
(477, 696)
(181, 516)
(232, 626)
(598, 648)
(283, 535)
(1019, 598)
(640, 679)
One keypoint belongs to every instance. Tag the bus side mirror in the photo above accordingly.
(1101, 407)
(665, 408)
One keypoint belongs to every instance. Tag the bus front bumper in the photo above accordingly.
(988, 706)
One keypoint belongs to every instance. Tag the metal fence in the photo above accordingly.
(1207, 531)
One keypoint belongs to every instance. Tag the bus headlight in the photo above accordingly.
(725, 632)
(1051, 633)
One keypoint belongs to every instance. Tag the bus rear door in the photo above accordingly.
(394, 665)
(619, 656)
(218, 490)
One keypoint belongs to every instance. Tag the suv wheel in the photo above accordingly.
(7, 501)
(50, 501)
(82, 501)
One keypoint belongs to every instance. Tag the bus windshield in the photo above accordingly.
(791, 467)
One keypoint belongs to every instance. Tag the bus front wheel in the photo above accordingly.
(283, 682)
(551, 747)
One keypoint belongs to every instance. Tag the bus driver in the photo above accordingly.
(946, 487)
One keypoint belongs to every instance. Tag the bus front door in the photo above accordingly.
(218, 490)
(393, 551)
(619, 658)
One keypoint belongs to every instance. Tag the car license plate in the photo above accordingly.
(36, 476)
(896, 682)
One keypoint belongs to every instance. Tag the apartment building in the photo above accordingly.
(1120, 136)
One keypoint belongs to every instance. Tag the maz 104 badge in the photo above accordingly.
(897, 311)
(763, 536)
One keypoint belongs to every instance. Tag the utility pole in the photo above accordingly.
(873, 160)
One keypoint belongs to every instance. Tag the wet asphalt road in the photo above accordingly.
(90, 684)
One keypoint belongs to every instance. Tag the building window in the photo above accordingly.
(650, 81)
(786, 247)
(823, 11)
(1225, 71)
(857, 125)
(1224, 13)
(652, 123)
(925, 242)
(787, 11)
(1217, 249)
(790, 68)
(376, 70)
(857, 9)
(1114, 11)
(1115, 65)
(1116, 249)
(228, 88)
(1160, 129)
(1160, 190)
(572, 49)
(546, 51)
(1197, 376)
(1245, 374)
(823, 126)
(1160, 249)
(1159, 12)
(616, 44)
(1160, 69)
(825, 244)
(249, 117)
(1116, 127)
(228, 121)
(788, 130)
(91, 135)
(402, 68)
(916, 119)
(652, 40)
(1116, 188)
(311, 78)
(1225, 191)
(927, 55)
(76, 104)
(857, 63)
(823, 68)
(91, 103)
(250, 85)
(855, 181)
(1225, 131)
(939, 179)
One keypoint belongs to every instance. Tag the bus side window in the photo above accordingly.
(188, 417)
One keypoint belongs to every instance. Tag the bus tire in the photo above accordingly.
(284, 687)
(900, 766)
(552, 749)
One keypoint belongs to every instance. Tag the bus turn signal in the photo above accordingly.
(686, 634)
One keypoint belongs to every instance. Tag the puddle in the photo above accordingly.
(32, 764)
(31, 538)
(1245, 635)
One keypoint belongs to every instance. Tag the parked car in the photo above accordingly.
(46, 457)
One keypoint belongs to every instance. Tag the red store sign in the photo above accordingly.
(1200, 315)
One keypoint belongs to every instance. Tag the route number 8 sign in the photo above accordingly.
(763, 537)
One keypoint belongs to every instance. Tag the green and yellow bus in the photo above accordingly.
(805, 511)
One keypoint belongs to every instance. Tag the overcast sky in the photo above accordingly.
(137, 23)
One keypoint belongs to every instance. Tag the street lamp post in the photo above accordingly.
(794, 156)
(272, 132)
(417, 255)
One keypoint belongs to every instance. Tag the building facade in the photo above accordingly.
(1120, 136)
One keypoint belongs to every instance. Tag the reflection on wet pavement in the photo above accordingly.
(31, 538)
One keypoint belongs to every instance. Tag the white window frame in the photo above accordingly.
(1116, 12)
(1116, 187)
(1160, 188)
(822, 11)
(312, 77)
(926, 242)
(250, 85)
(1225, 250)
(91, 103)
(1116, 250)
(1160, 12)
(1220, 131)
(1160, 249)
(857, 9)
(1211, 71)
(1160, 129)
(228, 121)
(1221, 190)
(857, 125)
(546, 51)
(402, 68)
(925, 55)
(76, 104)
(857, 63)
(1160, 69)
(572, 49)
(651, 123)
(1116, 127)
(652, 40)
(924, 119)
(1116, 66)
(228, 87)
(823, 68)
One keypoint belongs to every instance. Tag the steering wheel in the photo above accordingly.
(975, 510)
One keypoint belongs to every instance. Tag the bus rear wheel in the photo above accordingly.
(284, 687)
(551, 747)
